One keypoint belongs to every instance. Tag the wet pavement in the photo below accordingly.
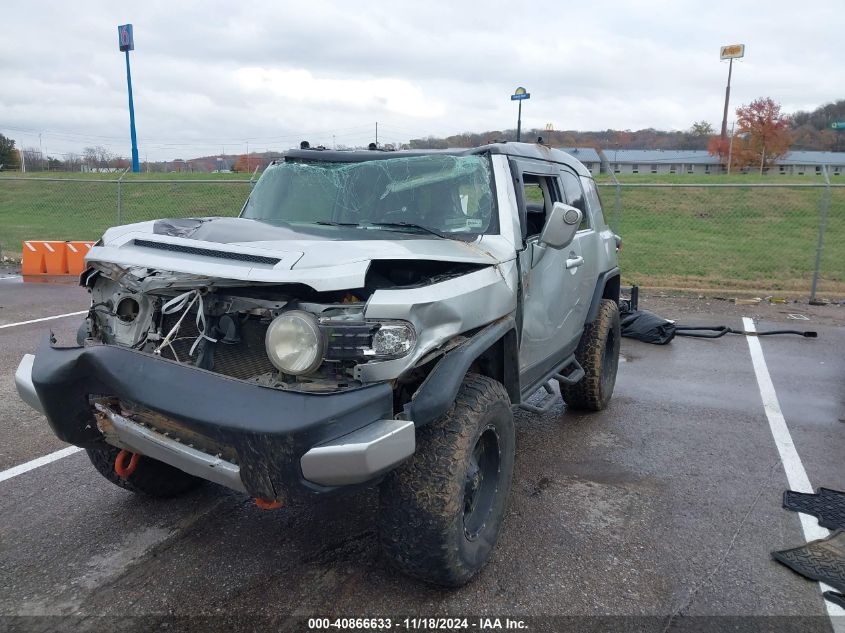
(667, 504)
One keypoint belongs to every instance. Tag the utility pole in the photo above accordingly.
(376, 133)
(41, 151)
(247, 156)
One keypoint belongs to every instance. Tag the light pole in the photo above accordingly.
(126, 40)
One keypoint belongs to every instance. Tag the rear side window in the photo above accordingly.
(575, 196)
(593, 198)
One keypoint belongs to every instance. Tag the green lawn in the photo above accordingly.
(762, 240)
(738, 238)
(82, 210)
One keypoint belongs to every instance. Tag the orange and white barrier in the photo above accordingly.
(54, 257)
(76, 252)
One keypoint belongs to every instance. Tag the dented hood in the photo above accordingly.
(325, 258)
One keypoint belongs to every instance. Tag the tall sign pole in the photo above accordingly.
(127, 43)
(520, 94)
(729, 52)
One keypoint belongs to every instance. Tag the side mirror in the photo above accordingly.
(561, 226)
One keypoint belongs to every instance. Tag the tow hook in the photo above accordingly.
(121, 468)
(266, 504)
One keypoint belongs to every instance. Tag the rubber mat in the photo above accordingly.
(835, 598)
(822, 560)
(827, 505)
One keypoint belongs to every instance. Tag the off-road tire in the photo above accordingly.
(151, 477)
(424, 530)
(598, 354)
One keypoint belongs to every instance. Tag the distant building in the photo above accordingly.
(810, 164)
(587, 155)
(660, 161)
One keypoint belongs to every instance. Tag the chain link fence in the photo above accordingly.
(765, 239)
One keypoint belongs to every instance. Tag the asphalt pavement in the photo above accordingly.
(662, 508)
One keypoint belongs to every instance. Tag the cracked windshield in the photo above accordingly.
(439, 194)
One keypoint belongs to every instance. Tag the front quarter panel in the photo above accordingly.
(440, 312)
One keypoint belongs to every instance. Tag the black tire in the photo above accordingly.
(598, 354)
(441, 511)
(151, 477)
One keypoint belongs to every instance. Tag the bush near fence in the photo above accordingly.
(757, 237)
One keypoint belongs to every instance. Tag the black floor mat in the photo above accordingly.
(822, 560)
(827, 505)
(835, 598)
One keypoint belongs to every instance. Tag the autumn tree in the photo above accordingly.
(764, 132)
(242, 164)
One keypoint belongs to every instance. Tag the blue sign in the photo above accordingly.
(125, 38)
(520, 97)
(838, 125)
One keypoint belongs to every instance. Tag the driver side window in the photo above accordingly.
(539, 193)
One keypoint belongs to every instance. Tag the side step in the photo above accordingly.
(574, 373)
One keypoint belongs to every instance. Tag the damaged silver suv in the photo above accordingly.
(370, 318)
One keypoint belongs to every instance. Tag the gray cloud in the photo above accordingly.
(209, 76)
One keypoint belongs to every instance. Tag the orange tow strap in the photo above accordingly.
(121, 468)
(265, 504)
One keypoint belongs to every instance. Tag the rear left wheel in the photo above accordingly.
(598, 354)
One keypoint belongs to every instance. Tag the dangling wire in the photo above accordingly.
(184, 302)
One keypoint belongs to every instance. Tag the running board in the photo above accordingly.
(574, 374)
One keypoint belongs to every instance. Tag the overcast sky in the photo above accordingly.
(211, 76)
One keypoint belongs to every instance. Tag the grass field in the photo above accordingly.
(759, 240)
(762, 240)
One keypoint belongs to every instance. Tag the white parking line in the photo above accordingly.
(49, 318)
(38, 462)
(8, 278)
(796, 476)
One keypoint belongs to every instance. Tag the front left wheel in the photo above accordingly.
(441, 511)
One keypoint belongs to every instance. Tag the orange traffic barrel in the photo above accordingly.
(33, 259)
(76, 252)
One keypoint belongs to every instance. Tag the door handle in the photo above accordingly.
(574, 262)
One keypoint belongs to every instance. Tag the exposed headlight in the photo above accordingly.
(295, 343)
(392, 340)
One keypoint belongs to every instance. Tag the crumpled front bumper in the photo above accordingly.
(283, 443)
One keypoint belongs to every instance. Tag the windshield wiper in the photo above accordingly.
(407, 225)
(333, 223)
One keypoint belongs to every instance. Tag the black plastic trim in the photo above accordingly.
(598, 293)
(440, 388)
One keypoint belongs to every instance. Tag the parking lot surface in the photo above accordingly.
(666, 505)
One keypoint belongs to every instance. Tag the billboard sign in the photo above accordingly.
(519, 94)
(838, 125)
(125, 38)
(732, 51)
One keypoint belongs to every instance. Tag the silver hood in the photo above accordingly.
(325, 258)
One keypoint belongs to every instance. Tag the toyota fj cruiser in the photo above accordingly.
(370, 317)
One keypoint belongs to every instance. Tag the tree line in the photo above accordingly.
(761, 135)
